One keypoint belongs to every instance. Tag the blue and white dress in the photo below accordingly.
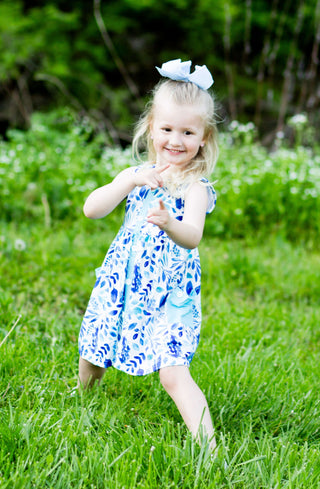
(144, 312)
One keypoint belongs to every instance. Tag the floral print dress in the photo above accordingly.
(144, 312)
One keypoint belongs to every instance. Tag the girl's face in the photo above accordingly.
(177, 131)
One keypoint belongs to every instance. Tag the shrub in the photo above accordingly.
(47, 172)
(261, 192)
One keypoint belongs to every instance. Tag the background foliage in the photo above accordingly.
(99, 57)
(47, 171)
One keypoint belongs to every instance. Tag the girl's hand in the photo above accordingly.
(150, 176)
(160, 217)
(188, 232)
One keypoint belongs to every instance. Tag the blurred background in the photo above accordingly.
(98, 57)
(74, 78)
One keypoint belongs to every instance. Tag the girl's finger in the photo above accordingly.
(161, 169)
(162, 207)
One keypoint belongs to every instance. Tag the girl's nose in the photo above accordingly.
(175, 139)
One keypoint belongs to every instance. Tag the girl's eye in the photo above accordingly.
(188, 133)
(166, 129)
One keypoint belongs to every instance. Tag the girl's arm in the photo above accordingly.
(188, 232)
(104, 199)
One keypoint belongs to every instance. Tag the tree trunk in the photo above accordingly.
(288, 73)
(228, 66)
(263, 62)
(108, 42)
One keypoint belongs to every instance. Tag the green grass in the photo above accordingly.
(257, 362)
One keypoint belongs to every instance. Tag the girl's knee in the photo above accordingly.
(166, 379)
(172, 377)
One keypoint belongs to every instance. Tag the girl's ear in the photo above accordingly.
(203, 142)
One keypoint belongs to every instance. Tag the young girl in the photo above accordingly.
(144, 313)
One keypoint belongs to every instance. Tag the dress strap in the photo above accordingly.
(212, 196)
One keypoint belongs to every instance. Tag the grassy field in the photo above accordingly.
(258, 358)
(257, 362)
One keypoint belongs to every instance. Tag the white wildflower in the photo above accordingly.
(5, 159)
(233, 125)
(250, 126)
(312, 192)
(91, 184)
(20, 245)
(298, 120)
(39, 127)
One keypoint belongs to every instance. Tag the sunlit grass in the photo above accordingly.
(257, 363)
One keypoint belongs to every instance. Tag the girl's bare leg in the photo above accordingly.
(89, 373)
(190, 401)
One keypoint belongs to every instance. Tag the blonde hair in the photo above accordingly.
(181, 93)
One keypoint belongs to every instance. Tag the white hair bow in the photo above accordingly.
(180, 71)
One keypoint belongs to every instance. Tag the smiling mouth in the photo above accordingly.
(174, 151)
